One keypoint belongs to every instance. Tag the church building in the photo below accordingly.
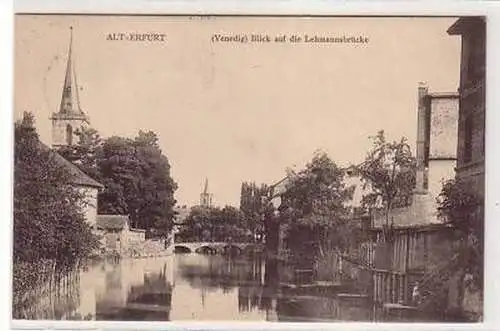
(116, 234)
(65, 122)
(206, 198)
(70, 116)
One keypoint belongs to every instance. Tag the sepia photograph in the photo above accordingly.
(248, 168)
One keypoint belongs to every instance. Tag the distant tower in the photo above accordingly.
(70, 116)
(206, 196)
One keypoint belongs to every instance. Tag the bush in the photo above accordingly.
(49, 225)
(462, 207)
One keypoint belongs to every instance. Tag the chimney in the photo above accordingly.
(422, 125)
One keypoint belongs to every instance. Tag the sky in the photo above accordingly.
(234, 112)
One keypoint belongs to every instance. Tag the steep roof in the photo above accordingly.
(112, 222)
(70, 100)
(205, 189)
(78, 177)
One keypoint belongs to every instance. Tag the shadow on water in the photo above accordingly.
(136, 291)
(194, 286)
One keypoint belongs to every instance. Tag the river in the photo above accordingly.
(188, 287)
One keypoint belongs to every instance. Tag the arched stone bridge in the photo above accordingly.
(216, 247)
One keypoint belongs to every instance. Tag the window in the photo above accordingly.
(69, 135)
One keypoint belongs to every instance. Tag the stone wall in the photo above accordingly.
(146, 248)
(132, 243)
(112, 242)
(135, 236)
(423, 210)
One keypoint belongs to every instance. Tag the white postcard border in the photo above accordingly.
(422, 8)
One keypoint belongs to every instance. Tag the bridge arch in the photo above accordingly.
(182, 249)
(232, 249)
(206, 249)
(216, 247)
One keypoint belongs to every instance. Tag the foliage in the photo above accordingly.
(251, 205)
(135, 173)
(85, 153)
(49, 221)
(460, 206)
(317, 194)
(389, 170)
(215, 224)
(315, 198)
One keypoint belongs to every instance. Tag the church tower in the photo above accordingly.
(70, 116)
(206, 196)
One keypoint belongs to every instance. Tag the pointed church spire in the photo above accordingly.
(205, 196)
(70, 100)
(205, 190)
(69, 117)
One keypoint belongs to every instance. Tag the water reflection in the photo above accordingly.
(136, 290)
(187, 287)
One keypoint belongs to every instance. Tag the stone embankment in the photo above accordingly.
(137, 249)
(147, 248)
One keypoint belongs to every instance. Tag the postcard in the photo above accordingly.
(248, 168)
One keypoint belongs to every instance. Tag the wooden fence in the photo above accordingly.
(388, 271)
(412, 248)
(392, 287)
(380, 285)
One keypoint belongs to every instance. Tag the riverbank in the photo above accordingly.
(32, 280)
(143, 248)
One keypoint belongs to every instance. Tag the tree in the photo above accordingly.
(156, 190)
(198, 223)
(233, 223)
(85, 153)
(314, 201)
(389, 169)
(49, 221)
(214, 224)
(460, 207)
(119, 170)
(251, 205)
(135, 174)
